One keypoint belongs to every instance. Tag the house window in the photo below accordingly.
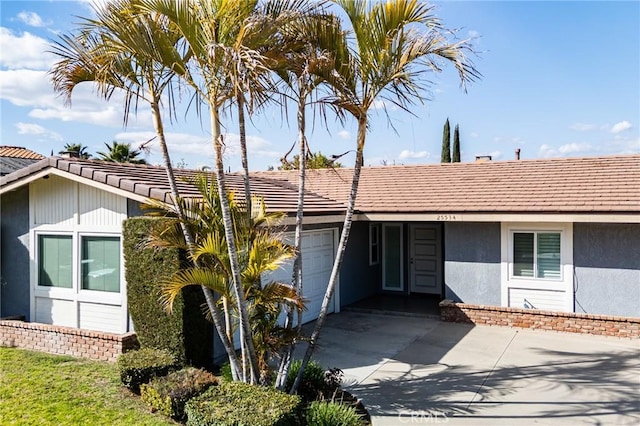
(100, 260)
(374, 243)
(55, 261)
(537, 255)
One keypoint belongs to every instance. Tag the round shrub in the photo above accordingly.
(326, 413)
(140, 366)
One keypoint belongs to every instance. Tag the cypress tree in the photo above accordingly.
(445, 156)
(455, 158)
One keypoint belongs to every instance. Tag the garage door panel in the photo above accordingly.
(317, 261)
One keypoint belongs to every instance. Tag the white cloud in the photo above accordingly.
(37, 130)
(620, 127)
(406, 154)
(474, 134)
(344, 134)
(32, 19)
(495, 155)
(573, 149)
(582, 127)
(30, 88)
(24, 51)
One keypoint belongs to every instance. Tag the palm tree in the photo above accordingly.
(209, 29)
(119, 152)
(138, 54)
(76, 150)
(393, 44)
(314, 42)
(261, 250)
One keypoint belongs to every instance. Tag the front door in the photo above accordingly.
(425, 259)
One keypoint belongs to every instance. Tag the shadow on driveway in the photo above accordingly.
(419, 371)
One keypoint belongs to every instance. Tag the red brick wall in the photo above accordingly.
(65, 340)
(543, 320)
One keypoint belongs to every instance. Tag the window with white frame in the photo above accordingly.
(55, 261)
(100, 260)
(374, 243)
(98, 265)
(537, 255)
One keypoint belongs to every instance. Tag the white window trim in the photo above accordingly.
(376, 227)
(384, 248)
(564, 285)
(75, 294)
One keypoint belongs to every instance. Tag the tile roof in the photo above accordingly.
(567, 185)
(570, 185)
(151, 182)
(19, 152)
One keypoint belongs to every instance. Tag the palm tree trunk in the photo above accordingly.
(296, 278)
(243, 151)
(175, 194)
(245, 330)
(342, 245)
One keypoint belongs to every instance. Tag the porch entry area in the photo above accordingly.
(418, 263)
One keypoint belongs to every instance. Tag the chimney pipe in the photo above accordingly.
(517, 153)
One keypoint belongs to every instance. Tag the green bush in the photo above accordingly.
(170, 393)
(140, 366)
(240, 404)
(185, 333)
(316, 382)
(326, 413)
(225, 372)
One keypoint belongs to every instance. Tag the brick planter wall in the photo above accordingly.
(60, 340)
(604, 325)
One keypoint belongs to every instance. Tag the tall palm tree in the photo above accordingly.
(76, 150)
(209, 28)
(393, 44)
(119, 152)
(314, 40)
(138, 54)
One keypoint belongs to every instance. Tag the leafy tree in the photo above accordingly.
(119, 152)
(445, 156)
(76, 150)
(315, 160)
(456, 145)
(394, 43)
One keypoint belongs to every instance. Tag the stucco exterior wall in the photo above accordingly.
(607, 268)
(472, 262)
(358, 280)
(14, 253)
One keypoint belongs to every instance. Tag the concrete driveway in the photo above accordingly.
(410, 370)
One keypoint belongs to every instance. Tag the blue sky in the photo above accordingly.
(559, 79)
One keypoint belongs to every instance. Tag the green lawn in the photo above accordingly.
(42, 389)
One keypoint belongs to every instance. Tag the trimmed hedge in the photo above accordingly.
(170, 393)
(140, 366)
(242, 404)
(185, 333)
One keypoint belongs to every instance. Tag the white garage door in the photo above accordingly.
(317, 261)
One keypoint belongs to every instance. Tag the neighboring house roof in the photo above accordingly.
(13, 158)
(551, 186)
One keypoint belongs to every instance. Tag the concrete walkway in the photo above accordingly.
(410, 370)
